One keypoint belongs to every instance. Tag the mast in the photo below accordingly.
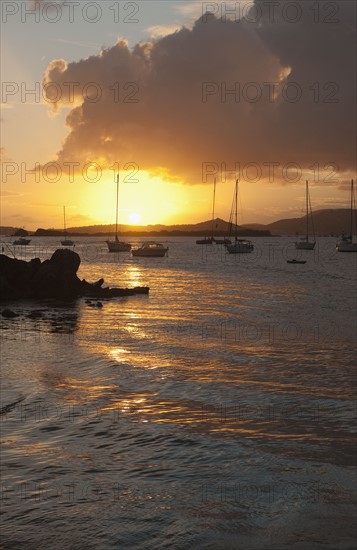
(312, 220)
(116, 215)
(307, 211)
(351, 224)
(236, 211)
(64, 220)
(214, 200)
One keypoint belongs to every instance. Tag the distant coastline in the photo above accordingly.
(329, 222)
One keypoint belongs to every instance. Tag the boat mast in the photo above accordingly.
(64, 220)
(351, 208)
(307, 211)
(116, 215)
(236, 212)
(214, 200)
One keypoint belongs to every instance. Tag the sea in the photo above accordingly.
(216, 413)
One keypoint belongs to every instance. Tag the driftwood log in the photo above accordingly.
(54, 278)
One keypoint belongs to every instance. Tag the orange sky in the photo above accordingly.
(184, 120)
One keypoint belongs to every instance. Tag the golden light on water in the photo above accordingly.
(118, 354)
(134, 276)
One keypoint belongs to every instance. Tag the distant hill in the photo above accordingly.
(196, 230)
(326, 222)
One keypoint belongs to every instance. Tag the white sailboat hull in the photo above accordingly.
(346, 246)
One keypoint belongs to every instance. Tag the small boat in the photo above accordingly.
(223, 241)
(65, 241)
(346, 243)
(116, 245)
(240, 246)
(22, 242)
(150, 250)
(294, 261)
(305, 244)
(207, 240)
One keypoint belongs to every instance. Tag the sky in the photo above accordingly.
(171, 95)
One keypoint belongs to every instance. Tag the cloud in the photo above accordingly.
(21, 219)
(145, 104)
(191, 11)
(158, 31)
(6, 106)
(9, 194)
(3, 155)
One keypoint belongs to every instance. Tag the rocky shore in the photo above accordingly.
(55, 278)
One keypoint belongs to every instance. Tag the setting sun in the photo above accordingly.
(134, 218)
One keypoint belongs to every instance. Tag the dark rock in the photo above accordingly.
(9, 314)
(66, 259)
(35, 314)
(7, 290)
(55, 278)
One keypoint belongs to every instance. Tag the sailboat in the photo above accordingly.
(346, 243)
(305, 244)
(116, 245)
(210, 240)
(66, 241)
(240, 246)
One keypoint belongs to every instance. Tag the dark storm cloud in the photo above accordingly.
(162, 105)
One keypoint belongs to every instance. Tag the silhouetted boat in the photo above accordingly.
(22, 242)
(207, 240)
(116, 245)
(223, 241)
(240, 246)
(150, 249)
(346, 243)
(296, 261)
(305, 244)
(65, 241)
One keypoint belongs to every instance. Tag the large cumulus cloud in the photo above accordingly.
(161, 121)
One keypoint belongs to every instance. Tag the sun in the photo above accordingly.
(134, 217)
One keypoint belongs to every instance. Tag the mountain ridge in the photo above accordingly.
(326, 222)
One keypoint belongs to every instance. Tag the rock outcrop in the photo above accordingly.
(55, 278)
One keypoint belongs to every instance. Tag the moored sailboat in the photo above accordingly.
(66, 241)
(305, 244)
(116, 245)
(346, 243)
(240, 246)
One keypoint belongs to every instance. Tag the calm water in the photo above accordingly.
(216, 413)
